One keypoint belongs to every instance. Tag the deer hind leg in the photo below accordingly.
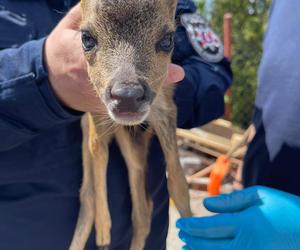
(165, 129)
(87, 206)
(135, 150)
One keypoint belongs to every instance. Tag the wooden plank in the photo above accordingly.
(210, 152)
(200, 181)
(217, 129)
(205, 139)
(202, 173)
(223, 123)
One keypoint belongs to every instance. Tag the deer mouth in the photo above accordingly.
(128, 118)
(125, 114)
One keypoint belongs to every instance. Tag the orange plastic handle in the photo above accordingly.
(219, 172)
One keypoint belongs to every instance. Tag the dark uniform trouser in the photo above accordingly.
(39, 211)
(283, 172)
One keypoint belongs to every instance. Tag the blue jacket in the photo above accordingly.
(40, 140)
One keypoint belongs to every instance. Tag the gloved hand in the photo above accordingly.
(257, 218)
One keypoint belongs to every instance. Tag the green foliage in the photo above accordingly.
(249, 23)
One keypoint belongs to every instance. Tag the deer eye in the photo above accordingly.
(167, 43)
(88, 42)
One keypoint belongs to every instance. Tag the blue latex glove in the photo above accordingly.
(257, 218)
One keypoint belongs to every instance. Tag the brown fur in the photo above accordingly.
(127, 32)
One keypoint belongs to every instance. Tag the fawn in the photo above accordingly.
(128, 46)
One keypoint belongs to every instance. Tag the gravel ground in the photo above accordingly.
(173, 243)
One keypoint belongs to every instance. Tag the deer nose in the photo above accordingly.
(130, 96)
(122, 91)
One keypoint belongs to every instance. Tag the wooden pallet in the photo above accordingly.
(213, 140)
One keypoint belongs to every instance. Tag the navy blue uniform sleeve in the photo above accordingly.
(200, 96)
(27, 103)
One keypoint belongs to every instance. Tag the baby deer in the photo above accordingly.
(128, 46)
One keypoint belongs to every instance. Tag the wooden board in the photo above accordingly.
(215, 138)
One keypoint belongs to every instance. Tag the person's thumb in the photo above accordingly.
(175, 74)
(73, 18)
(234, 202)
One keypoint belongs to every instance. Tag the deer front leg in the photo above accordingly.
(177, 185)
(87, 205)
(98, 144)
(135, 151)
(102, 215)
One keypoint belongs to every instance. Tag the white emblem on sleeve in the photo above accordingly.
(203, 39)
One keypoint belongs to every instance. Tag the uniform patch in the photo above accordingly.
(203, 39)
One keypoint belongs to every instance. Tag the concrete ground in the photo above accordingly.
(173, 242)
